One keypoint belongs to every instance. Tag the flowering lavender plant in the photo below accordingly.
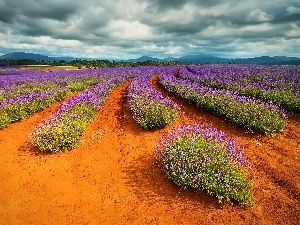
(204, 158)
(149, 108)
(250, 113)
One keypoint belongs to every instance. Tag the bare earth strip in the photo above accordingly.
(112, 177)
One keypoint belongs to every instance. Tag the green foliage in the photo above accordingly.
(77, 86)
(284, 99)
(82, 84)
(211, 102)
(155, 115)
(250, 91)
(255, 117)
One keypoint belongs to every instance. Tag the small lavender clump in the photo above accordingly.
(204, 158)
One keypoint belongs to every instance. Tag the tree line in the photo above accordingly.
(85, 63)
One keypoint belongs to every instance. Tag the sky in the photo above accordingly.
(114, 29)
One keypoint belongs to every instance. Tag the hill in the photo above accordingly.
(202, 59)
(186, 59)
(32, 56)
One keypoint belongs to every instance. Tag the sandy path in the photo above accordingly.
(112, 179)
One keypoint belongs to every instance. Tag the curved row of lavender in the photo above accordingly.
(149, 108)
(63, 129)
(262, 76)
(26, 76)
(254, 115)
(41, 90)
(17, 108)
(26, 82)
(277, 84)
(202, 157)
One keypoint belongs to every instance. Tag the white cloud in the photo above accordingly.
(293, 10)
(127, 30)
(294, 31)
(258, 15)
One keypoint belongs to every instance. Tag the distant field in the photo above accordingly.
(48, 68)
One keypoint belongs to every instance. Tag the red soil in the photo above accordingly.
(112, 177)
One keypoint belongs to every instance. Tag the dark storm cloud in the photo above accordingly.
(167, 4)
(284, 18)
(162, 5)
(161, 27)
(8, 11)
(13, 10)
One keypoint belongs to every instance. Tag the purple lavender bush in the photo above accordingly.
(254, 115)
(201, 157)
(149, 108)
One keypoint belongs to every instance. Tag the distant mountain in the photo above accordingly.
(36, 57)
(267, 60)
(262, 60)
(201, 59)
(187, 59)
(23, 55)
(184, 59)
(143, 59)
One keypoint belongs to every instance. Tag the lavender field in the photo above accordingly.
(250, 100)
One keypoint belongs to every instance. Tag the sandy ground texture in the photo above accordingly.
(112, 178)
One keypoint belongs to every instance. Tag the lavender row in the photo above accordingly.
(35, 88)
(254, 115)
(263, 77)
(279, 85)
(55, 87)
(30, 76)
(33, 81)
(201, 157)
(63, 129)
(149, 108)
(14, 109)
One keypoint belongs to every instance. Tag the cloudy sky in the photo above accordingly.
(115, 29)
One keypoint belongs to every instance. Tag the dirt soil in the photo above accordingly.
(112, 178)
